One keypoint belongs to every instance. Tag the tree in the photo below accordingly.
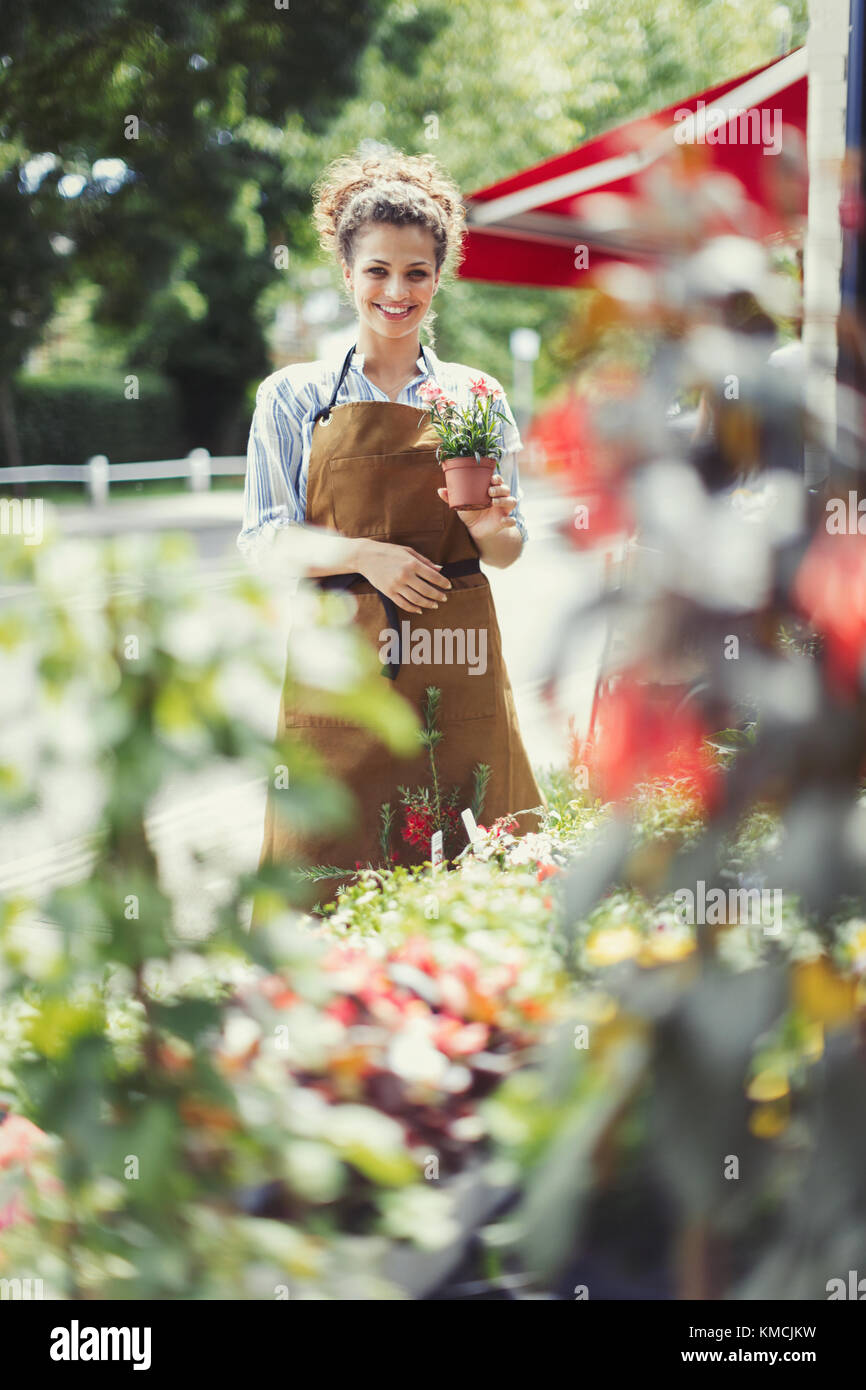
(147, 109)
(34, 266)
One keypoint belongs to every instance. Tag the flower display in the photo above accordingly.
(399, 1040)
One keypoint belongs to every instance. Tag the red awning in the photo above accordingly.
(524, 230)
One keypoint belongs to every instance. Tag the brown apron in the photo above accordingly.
(373, 472)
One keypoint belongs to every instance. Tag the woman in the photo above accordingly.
(337, 444)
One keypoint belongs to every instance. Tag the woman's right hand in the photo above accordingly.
(402, 575)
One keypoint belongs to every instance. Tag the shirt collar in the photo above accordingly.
(357, 361)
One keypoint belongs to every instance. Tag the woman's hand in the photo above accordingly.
(404, 576)
(486, 524)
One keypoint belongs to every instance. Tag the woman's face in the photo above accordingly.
(393, 277)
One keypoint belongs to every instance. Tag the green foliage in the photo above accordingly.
(198, 201)
(480, 783)
(32, 270)
(112, 1015)
(668, 812)
(66, 419)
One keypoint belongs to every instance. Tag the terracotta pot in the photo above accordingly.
(468, 482)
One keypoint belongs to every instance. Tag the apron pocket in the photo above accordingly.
(389, 495)
(455, 647)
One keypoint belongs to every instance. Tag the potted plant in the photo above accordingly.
(469, 447)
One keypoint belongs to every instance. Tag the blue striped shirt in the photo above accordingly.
(278, 454)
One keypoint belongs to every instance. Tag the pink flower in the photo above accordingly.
(429, 391)
(482, 388)
(13, 1212)
(458, 1039)
(19, 1141)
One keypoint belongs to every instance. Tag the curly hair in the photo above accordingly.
(396, 188)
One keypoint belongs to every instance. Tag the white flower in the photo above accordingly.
(413, 1056)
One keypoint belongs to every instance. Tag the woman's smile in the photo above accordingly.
(395, 311)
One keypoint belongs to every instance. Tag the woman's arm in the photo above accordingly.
(272, 487)
(276, 539)
(496, 531)
(501, 549)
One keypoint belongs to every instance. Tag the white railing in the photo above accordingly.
(97, 474)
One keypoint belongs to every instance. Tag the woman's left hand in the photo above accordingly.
(493, 519)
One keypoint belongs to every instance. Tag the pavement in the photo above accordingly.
(205, 831)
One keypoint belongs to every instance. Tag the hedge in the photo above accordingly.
(68, 419)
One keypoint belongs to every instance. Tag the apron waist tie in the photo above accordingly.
(452, 569)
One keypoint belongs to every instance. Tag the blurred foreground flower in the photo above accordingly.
(589, 468)
(831, 590)
(644, 733)
(22, 1145)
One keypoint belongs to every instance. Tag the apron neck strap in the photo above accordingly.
(325, 413)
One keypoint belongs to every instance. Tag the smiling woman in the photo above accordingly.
(350, 446)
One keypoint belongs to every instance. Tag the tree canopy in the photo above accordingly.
(163, 153)
(140, 113)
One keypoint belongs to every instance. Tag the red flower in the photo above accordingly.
(416, 951)
(570, 445)
(564, 436)
(418, 827)
(643, 736)
(419, 824)
(830, 588)
(346, 1010)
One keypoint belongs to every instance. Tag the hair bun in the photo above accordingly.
(393, 188)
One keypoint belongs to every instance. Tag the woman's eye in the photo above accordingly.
(379, 270)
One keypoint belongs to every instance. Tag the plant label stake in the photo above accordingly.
(471, 828)
(436, 852)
